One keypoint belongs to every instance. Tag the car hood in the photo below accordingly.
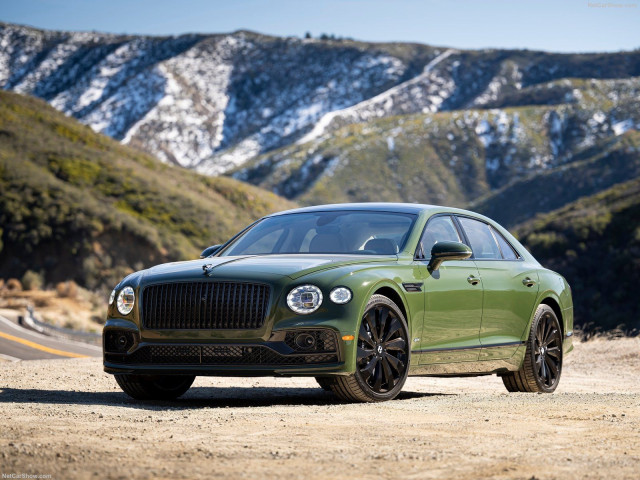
(254, 267)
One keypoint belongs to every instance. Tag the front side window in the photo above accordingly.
(333, 232)
(439, 229)
(482, 241)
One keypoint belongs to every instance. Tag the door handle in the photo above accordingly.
(473, 280)
(528, 282)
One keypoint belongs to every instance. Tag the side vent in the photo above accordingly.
(412, 287)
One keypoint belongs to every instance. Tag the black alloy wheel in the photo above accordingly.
(542, 365)
(548, 350)
(382, 357)
(382, 349)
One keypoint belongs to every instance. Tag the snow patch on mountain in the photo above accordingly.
(423, 93)
(54, 59)
(510, 76)
(189, 128)
(622, 127)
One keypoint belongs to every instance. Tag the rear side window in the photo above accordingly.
(482, 241)
(508, 253)
(439, 229)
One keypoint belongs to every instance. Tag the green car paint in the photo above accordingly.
(468, 317)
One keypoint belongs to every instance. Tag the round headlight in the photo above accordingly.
(304, 299)
(112, 297)
(126, 298)
(340, 295)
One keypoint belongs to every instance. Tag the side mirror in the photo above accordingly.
(443, 251)
(207, 252)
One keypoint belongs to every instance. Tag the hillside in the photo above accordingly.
(214, 102)
(595, 243)
(76, 205)
(509, 163)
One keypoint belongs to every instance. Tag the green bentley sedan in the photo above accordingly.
(359, 296)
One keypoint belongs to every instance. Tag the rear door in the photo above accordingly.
(510, 288)
(453, 300)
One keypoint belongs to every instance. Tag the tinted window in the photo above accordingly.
(482, 241)
(339, 232)
(439, 229)
(508, 253)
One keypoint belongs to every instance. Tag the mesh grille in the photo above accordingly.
(217, 355)
(205, 305)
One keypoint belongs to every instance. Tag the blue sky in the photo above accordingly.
(559, 25)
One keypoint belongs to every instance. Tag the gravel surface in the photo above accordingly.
(68, 419)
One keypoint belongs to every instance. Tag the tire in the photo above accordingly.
(382, 358)
(325, 383)
(154, 387)
(542, 366)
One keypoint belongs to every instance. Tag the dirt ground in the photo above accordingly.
(67, 419)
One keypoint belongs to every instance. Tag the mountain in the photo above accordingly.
(506, 162)
(595, 243)
(78, 205)
(215, 102)
(200, 101)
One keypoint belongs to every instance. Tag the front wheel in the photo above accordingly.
(325, 383)
(542, 365)
(382, 362)
(154, 387)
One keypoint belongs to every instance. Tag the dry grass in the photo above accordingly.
(68, 306)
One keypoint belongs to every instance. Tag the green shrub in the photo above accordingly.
(32, 280)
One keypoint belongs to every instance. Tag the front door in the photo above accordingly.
(453, 301)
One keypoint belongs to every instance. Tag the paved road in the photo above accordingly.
(18, 343)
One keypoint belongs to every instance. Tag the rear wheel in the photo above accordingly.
(382, 362)
(542, 365)
(154, 387)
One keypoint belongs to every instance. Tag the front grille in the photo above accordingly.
(205, 305)
(217, 355)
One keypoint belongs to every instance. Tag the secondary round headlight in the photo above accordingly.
(340, 295)
(126, 298)
(304, 299)
(112, 297)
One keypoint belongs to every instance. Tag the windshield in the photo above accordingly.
(341, 232)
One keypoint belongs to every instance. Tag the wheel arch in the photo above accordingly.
(395, 297)
(555, 306)
(550, 299)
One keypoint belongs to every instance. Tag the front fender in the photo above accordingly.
(363, 283)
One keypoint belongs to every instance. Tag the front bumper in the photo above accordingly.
(282, 354)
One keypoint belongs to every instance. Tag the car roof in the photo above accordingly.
(414, 208)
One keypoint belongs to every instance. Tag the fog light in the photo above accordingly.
(118, 341)
(305, 341)
(121, 342)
